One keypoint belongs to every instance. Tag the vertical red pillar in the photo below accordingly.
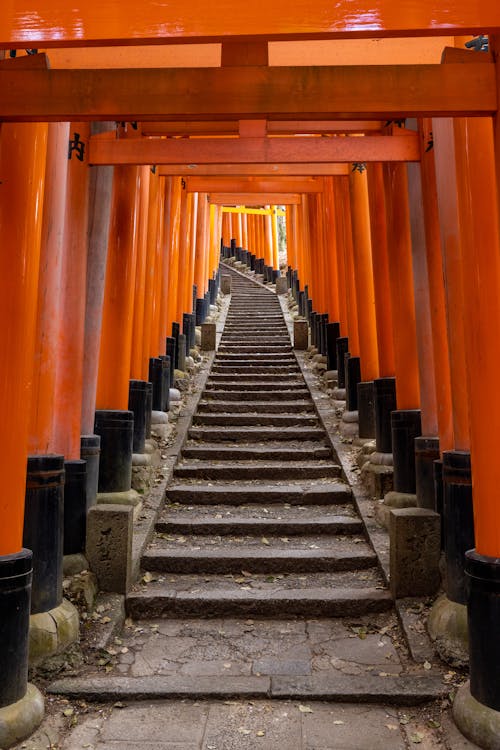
(69, 377)
(116, 336)
(22, 168)
(137, 361)
(49, 311)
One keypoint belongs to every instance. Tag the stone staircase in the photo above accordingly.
(257, 497)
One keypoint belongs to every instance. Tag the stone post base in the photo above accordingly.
(448, 628)
(53, 631)
(20, 719)
(478, 723)
(415, 548)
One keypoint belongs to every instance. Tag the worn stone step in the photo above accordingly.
(305, 554)
(249, 386)
(210, 394)
(281, 407)
(173, 522)
(250, 369)
(247, 361)
(279, 420)
(319, 595)
(328, 493)
(264, 469)
(255, 433)
(256, 377)
(292, 452)
(404, 690)
(258, 351)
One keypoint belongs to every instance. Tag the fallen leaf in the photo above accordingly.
(416, 738)
(391, 726)
(261, 733)
(433, 723)
(264, 540)
(427, 665)
(68, 712)
(338, 721)
(242, 730)
(305, 709)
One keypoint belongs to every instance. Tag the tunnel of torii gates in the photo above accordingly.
(129, 160)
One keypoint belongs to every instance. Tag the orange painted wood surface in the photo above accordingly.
(380, 261)
(363, 273)
(49, 308)
(257, 170)
(477, 200)
(125, 21)
(401, 287)
(273, 127)
(248, 150)
(138, 363)
(436, 291)
(343, 93)
(22, 166)
(70, 340)
(253, 185)
(253, 199)
(117, 321)
(451, 246)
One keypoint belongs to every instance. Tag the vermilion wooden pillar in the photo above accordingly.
(451, 244)
(340, 243)
(183, 263)
(363, 273)
(380, 262)
(116, 336)
(153, 273)
(138, 362)
(330, 242)
(268, 239)
(22, 166)
(49, 312)
(436, 290)
(161, 268)
(401, 286)
(244, 229)
(69, 373)
(350, 283)
(202, 240)
(177, 208)
(189, 275)
(100, 193)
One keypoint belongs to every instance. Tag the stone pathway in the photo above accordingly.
(261, 619)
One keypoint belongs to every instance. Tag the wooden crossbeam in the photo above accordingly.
(253, 185)
(274, 127)
(376, 92)
(248, 150)
(254, 199)
(83, 22)
(256, 170)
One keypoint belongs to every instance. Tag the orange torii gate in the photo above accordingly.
(461, 99)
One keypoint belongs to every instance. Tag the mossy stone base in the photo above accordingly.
(447, 626)
(20, 719)
(478, 723)
(53, 631)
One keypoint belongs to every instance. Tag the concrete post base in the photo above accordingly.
(142, 472)
(448, 628)
(339, 394)
(20, 719)
(394, 500)
(53, 631)
(415, 547)
(349, 425)
(378, 474)
(160, 427)
(478, 723)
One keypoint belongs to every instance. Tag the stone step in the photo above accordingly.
(250, 386)
(342, 594)
(264, 469)
(269, 407)
(179, 521)
(249, 369)
(292, 452)
(261, 493)
(256, 377)
(305, 554)
(258, 351)
(404, 690)
(255, 434)
(278, 420)
(247, 361)
(254, 395)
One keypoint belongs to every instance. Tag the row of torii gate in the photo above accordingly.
(113, 183)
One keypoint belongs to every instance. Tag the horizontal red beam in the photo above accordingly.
(256, 170)
(377, 92)
(253, 185)
(249, 150)
(254, 199)
(274, 127)
(83, 22)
